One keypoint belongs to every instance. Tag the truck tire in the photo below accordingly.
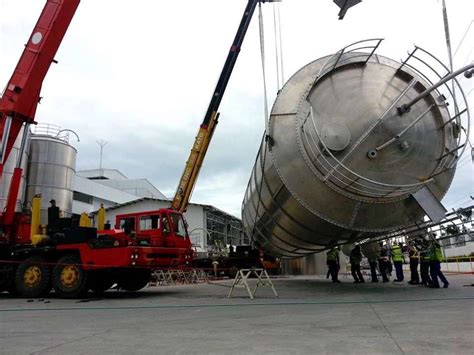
(69, 278)
(100, 282)
(7, 277)
(33, 278)
(134, 280)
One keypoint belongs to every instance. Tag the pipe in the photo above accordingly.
(467, 70)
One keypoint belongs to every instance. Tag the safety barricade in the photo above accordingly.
(173, 277)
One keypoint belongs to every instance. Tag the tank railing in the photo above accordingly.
(350, 181)
(374, 125)
(405, 108)
(461, 116)
(446, 162)
(422, 229)
(346, 183)
(47, 129)
(333, 61)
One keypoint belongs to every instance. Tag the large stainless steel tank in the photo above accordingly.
(8, 168)
(338, 163)
(51, 169)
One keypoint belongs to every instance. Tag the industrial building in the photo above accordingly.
(49, 169)
(209, 227)
(108, 187)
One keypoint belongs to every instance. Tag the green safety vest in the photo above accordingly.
(397, 253)
(332, 254)
(425, 256)
(436, 254)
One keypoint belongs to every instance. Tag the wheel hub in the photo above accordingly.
(32, 276)
(69, 276)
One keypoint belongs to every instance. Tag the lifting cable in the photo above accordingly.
(263, 144)
(280, 80)
(262, 56)
(278, 45)
(265, 105)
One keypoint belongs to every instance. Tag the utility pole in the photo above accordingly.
(102, 144)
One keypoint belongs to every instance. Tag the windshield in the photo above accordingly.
(149, 222)
(178, 224)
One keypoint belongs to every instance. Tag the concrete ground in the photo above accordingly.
(311, 316)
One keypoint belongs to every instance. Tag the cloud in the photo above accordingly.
(140, 76)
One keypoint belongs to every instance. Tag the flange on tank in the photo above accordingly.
(340, 163)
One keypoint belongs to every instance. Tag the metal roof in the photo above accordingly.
(206, 207)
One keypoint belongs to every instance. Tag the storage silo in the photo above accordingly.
(8, 168)
(51, 169)
(340, 162)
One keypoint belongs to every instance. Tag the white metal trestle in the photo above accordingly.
(241, 281)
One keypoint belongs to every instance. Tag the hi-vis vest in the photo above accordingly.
(425, 256)
(332, 254)
(397, 253)
(414, 253)
(436, 254)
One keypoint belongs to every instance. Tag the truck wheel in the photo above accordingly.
(69, 278)
(33, 278)
(7, 277)
(100, 282)
(134, 280)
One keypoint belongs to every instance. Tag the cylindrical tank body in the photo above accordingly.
(8, 168)
(51, 170)
(347, 249)
(371, 250)
(317, 181)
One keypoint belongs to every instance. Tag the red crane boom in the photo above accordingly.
(22, 94)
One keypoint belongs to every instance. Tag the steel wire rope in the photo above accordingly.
(463, 38)
(265, 105)
(281, 44)
(277, 59)
(278, 45)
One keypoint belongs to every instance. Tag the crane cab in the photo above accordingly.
(163, 228)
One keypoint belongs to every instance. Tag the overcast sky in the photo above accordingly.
(140, 74)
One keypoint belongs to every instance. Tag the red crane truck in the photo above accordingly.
(70, 259)
(73, 259)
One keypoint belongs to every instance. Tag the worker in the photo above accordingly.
(332, 262)
(397, 257)
(414, 261)
(356, 258)
(53, 217)
(436, 256)
(373, 267)
(215, 265)
(425, 264)
(383, 262)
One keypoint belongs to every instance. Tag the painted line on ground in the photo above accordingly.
(260, 304)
